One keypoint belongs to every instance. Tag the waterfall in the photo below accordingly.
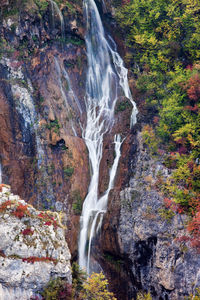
(56, 9)
(106, 81)
(70, 98)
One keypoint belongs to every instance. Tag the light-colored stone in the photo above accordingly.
(149, 241)
(17, 276)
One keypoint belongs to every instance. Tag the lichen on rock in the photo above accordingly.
(32, 249)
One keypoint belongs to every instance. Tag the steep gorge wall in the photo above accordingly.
(42, 82)
(45, 160)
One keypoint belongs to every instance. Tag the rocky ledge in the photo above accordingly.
(32, 248)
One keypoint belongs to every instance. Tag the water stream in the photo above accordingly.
(55, 10)
(106, 82)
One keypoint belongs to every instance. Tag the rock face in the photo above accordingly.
(33, 248)
(42, 88)
(147, 235)
(45, 160)
(139, 238)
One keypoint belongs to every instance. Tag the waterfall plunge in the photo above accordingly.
(106, 78)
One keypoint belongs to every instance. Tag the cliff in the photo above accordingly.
(140, 237)
(33, 248)
(44, 158)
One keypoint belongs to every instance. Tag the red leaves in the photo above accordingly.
(21, 211)
(33, 259)
(125, 2)
(194, 108)
(27, 231)
(173, 206)
(193, 88)
(4, 205)
(156, 120)
(194, 225)
(167, 202)
(48, 223)
(182, 150)
(49, 220)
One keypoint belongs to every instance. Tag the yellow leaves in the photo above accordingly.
(184, 131)
(95, 288)
(140, 39)
(146, 40)
(153, 41)
(162, 58)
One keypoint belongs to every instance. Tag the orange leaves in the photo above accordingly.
(1, 186)
(33, 259)
(21, 211)
(170, 204)
(4, 205)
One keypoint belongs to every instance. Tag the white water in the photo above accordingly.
(68, 95)
(55, 9)
(106, 81)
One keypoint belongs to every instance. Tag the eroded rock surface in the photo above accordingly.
(139, 238)
(32, 250)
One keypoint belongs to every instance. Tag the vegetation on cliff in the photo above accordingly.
(163, 41)
(94, 287)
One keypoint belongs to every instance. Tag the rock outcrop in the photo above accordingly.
(42, 88)
(33, 249)
(140, 237)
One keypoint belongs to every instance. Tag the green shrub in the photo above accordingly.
(68, 171)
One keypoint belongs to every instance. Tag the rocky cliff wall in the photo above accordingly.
(45, 160)
(140, 247)
(33, 249)
(42, 89)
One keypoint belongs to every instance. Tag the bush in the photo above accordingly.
(57, 289)
(96, 288)
(68, 171)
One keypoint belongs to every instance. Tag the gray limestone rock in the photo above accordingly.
(32, 248)
(160, 264)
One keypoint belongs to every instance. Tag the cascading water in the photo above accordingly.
(106, 81)
(55, 9)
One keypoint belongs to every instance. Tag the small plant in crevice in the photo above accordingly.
(94, 287)
(48, 220)
(77, 202)
(27, 231)
(21, 211)
(68, 171)
(195, 296)
(57, 289)
(122, 106)
(116, 262)
(54, 125)
(33, 259)
(144, 296)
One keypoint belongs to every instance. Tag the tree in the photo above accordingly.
(96, 288)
